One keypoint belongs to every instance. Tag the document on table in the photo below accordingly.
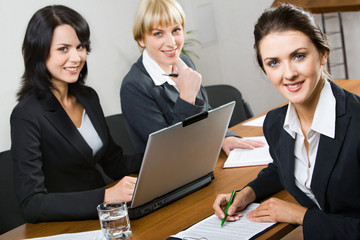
(249, 157)
(91, 235)
(210, 228)
(257, 122)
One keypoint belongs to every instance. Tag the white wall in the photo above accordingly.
(228, 59)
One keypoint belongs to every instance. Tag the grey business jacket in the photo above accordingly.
(148, 108)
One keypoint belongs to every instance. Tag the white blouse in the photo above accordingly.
(89, 133)
(156, 72)
(323, 123)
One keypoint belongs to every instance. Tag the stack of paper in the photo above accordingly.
(210, 228)
(249, 157)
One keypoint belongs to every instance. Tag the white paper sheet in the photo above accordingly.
(249, 157)
(91, 235)
(257, 122)
(211, 229)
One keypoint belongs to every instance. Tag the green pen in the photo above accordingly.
(227, 207)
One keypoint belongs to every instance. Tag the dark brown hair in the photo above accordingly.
(288, 17)
(36, 48)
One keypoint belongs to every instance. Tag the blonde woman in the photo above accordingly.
(150, 100)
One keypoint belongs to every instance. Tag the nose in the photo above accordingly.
(290, 72)
(170, 40)
(75, 56)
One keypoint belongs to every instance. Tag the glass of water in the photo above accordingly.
(114, 220)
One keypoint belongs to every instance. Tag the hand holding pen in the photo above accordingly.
(231, 199)
(187, 81)
(227, 206)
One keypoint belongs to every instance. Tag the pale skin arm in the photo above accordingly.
(271, 210)
(276, 210)
(123, 190)
(231, 143)
(241, 200)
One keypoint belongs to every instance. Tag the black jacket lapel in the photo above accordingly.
(287, 168)
(57, 116)
(96, 116)
(329, 148)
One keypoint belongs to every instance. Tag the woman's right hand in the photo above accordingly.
(188, 83)
(123, 190)
(241, 200)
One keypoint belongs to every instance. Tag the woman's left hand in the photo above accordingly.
(276, 210)
(231, 143)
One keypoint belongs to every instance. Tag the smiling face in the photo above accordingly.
(164, 45)
(67, 56)
(293, 65)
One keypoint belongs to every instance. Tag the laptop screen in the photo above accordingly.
(181, 153)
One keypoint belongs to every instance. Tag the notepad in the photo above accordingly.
(90, 235)
(210, 228)
(257, 122)
(249, 157)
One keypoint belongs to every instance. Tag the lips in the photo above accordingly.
(170, 53)
(71, 69)
(294, 87)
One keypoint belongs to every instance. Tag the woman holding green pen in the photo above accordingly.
(314, 140)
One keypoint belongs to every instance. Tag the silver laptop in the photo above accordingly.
(179, 160)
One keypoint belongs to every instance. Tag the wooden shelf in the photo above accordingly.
(323, 6)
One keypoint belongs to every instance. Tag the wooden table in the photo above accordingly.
(184, 212)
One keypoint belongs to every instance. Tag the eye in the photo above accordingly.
(62, 49)
(157, 34)
(177, 30)
(299, 56)
(272, 63)
(81, 47)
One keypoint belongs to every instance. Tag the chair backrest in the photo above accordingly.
(221, 94)
(10, 216)
(118, 131)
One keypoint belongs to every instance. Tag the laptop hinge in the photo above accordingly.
(194, 119)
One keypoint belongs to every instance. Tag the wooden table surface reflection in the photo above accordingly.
(185, 212)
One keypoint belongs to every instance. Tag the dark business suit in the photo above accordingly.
(148, 108)
(56, 177)
(336, 178)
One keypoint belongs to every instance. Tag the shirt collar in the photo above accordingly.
(155, 71)
(324, 117)
(325, 114)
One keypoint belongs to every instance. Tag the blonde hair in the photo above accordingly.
(153, 13)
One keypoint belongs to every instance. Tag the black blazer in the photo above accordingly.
(148, 108)
(336, 177)
(55, 174)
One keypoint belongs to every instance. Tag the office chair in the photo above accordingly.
(10, 216)
(118, 131)
(221, 94)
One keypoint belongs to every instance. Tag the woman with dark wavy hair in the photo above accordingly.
(314, 140)
(59, 135)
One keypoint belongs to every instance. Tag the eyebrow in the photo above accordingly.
(158, 29)
(297, 50)
(63, 44)
(291, 54)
